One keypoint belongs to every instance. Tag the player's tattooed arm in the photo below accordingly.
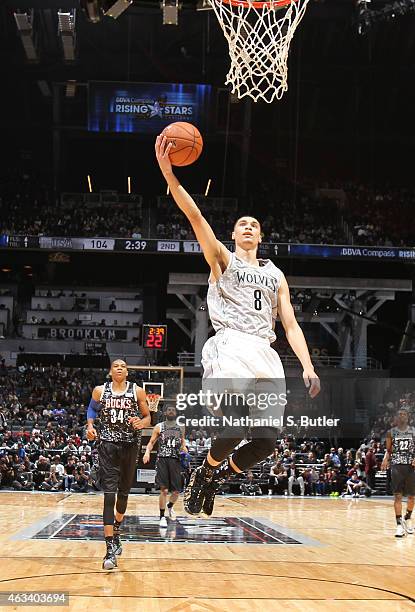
(145, 419)
(296, 338)
(216, 254)
(151, 443)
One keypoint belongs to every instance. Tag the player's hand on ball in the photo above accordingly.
(312, 382)
(91, 433)
(162, 153)
(136, 422)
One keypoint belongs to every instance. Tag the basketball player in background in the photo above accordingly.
(400, 456)
(171, 441)
(123, 411)
(244, 296)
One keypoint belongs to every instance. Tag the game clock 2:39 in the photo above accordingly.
(154, 337)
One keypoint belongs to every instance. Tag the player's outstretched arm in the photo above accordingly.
(216, 254)
(296, 338)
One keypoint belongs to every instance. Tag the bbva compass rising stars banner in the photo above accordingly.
(146, 108)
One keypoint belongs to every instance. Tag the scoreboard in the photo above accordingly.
(154, 337)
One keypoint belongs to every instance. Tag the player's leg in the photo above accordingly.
(163, 482)
(128, 462)
(109, 470)
(400, 530)
(290, 485)
(408, 515)
(398, 478)
(203, 476)
(176, 485)
(410, 491)
(162, 505)
(261, 446)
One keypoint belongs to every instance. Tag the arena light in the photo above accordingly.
(89, 184)
(129, 184)
(70, 89)
(208, 187)
(118, 8)
(24, 22)
(66, 28)
(92, 10)
(170, 10)
(204, 5)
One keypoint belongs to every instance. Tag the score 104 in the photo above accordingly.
(154, 337)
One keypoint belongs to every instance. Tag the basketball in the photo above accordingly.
(187, 143)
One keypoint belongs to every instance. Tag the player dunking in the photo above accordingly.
(171, 441)
(244, 296)
(400, 455)
(123, 411)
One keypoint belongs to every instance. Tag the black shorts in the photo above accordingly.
(169, 473)
(117, 465)
(403, 479)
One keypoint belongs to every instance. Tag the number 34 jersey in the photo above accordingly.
(116, 410)
(403, 446)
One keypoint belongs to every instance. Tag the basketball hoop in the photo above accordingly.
(153, 400)
(259, 35)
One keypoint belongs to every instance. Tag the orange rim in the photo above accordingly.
(245, 4)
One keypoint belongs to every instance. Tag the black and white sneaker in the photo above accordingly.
(210, 493)
(110, 560)
(117, 545)
(194, 494)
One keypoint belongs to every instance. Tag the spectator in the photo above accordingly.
(80, 485)
(354, 485)
(69, 475)
(294, 477)
(84, 447)
(58, 466)
(53, 482)
(277, 480)
(370, 467)
(249, 487)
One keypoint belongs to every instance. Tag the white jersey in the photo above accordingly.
(245, 297)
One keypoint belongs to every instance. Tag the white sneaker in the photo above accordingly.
(400, 531)
(172, 514)
(409, 526)
(163, 522)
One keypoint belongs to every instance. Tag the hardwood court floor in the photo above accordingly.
(356, 563)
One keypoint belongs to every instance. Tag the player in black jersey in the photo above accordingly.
(123, 411)
(400, 455)
(171, 441)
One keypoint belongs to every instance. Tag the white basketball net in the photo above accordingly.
(153, 400)
(259, 39)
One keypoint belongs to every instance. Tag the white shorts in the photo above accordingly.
(234, 354)
(239, 363)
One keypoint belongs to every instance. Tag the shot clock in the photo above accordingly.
(154, 337)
